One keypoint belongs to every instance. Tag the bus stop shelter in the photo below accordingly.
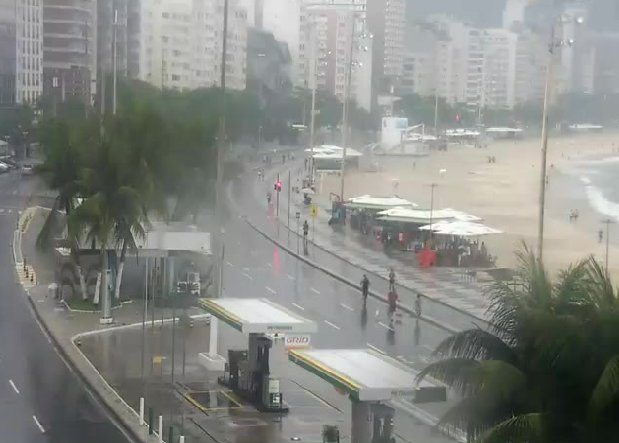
(369, 378)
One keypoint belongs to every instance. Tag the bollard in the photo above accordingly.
(181, 439)
(161, 429)
(141, 411)
(32, 278)
(151, 418)
(170, 434)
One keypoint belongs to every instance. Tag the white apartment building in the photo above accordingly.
(21, 47)
(499, 69)
(531, 63)
(327, 38)
(70, 49)
(181, 44)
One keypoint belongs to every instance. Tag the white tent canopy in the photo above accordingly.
(369, 202)
(422, 216)
(332, 152)
(461, 229)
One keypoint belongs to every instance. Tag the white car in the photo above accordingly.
(27, 169)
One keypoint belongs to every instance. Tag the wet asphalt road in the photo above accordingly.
(41, 400)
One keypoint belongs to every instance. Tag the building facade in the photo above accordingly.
(499, 69)
(334, 39)
(21, 36)
(181, 44)
(386, 21)
(70, 49)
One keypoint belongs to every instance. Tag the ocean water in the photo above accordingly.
(600, 179)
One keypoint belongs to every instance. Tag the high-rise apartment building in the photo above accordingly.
(499, 68)
(181, 43)
(21, 33)
(70, 49)
(386, 21)
(335, 39)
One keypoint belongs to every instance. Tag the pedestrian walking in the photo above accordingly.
(391, 280)
(418, 306)
(305, 234)
(365, 288)
(600, 235)
(392, 298)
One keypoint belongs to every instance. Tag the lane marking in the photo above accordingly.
(13, 386)
(332, 325)
(346, 307)
(36, 422)
(229, 264)
(314, 290)
(380, 351)
(290, 277)
(298, 306)
(385, 326)
(247, 275)
(271, 290)
(246, 269)
(269, 265)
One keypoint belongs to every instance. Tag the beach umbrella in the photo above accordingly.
(308, 191)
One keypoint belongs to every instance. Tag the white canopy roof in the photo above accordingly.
(257, 315)
(421, 216)
(369, 202)
(461, 133)
(332, 152)
(461, 229)
(365, 374)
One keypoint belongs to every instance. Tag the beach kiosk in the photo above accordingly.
(370, 379)
(247, 373)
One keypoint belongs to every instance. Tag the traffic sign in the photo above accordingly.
(297, 215)
(314, 211)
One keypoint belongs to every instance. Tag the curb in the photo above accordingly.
(92, 390)
(348, 282)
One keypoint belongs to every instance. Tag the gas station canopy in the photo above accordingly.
(257, 316)
(364, 374)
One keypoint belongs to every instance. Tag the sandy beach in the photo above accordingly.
(504, 194)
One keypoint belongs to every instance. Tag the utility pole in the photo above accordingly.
(289, 179)
(542, 173)
(220, 244)
(278, 190)
(432, 186)
(607, 222)
(114, 66)
(314, 73)
(347, 87)
(436, 112)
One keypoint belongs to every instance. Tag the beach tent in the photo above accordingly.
(332, 152)
(461, 229)
(378, 203)
(424, 216)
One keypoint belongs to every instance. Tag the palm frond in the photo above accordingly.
(606, 391)
(476, 344)
(525, 428)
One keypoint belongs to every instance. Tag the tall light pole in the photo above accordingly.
(347, 87)
(114, 67)
(553, 44)
(313, 75)
(436, 112)
(607, 222)
(432, 186)
(220, 235)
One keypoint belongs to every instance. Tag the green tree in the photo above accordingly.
(548, 369)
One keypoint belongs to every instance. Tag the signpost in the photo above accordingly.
(297, 215)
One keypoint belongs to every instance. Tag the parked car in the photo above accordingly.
(27, 169)
(4, 168)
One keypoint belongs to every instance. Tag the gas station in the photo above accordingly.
(370, 379)
(248, 373)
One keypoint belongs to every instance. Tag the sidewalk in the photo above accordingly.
(447, 287)
(63, 326)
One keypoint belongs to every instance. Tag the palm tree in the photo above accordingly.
(111, 209)
(547, 369)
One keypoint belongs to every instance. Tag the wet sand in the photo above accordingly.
(505, 193)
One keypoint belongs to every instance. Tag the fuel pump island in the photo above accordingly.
(248, 374)
(370, 379)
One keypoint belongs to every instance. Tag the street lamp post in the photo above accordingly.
(114, 67)
(432, 186)
(347, 87)
(552, 45)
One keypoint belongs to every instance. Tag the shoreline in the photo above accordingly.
(504, 194)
